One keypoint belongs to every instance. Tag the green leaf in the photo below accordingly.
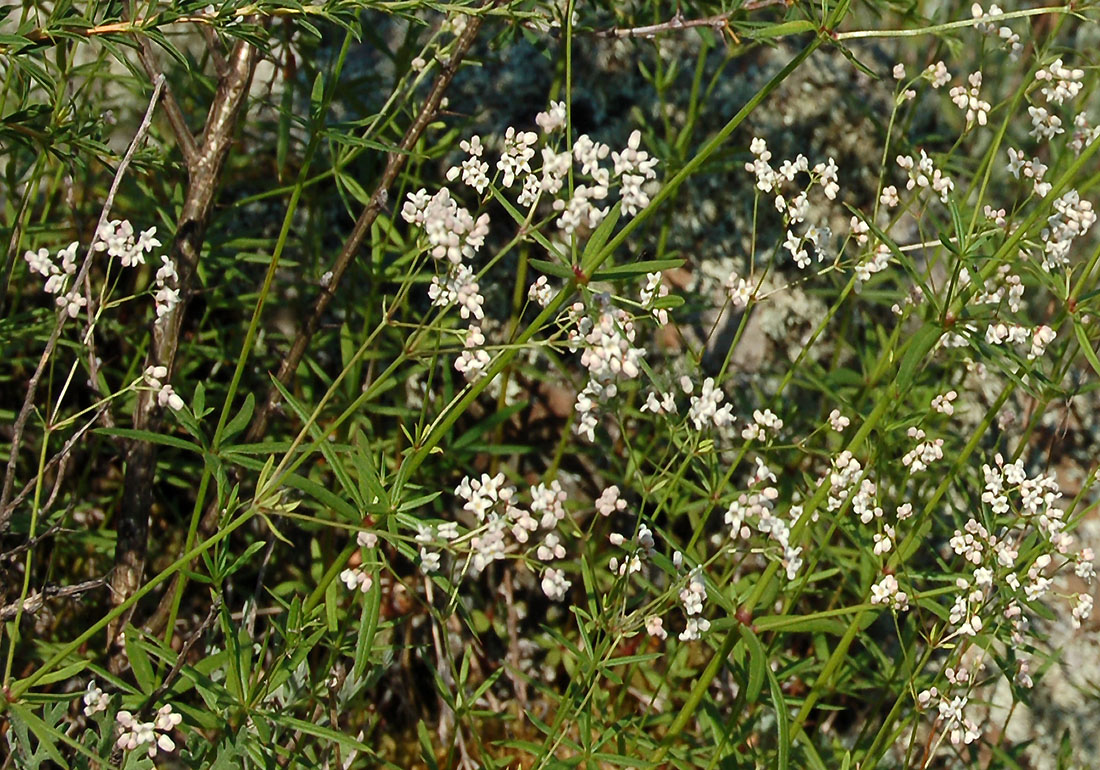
(783, 29)
(331, 609)
(1086, 346)
(368, 626)
(919, 346)
(317, 731)
(551, 268)
(48, 737)
(317, 93)
(837, 14)
(757, 662)
(67, 672)
(198, 402)
(427, 752)
(782, 721)
(601, 235)
(241, 560)
(155, 438)
(139, 662)
(241, 419)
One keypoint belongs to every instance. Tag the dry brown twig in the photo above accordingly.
(678, 22)
(37, 600)
(204, 174)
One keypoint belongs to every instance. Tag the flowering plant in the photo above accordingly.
(451, 431)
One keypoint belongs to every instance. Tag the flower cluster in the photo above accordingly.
(969, 100)
(923, 173)
(166, 394)
(982, 20)
(1032, 169)
(116, 238)
(1073, 217)
(754, 508)
(135, 733)
(605, 335)
(794, 204)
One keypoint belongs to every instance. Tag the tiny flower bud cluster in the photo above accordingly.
(982, 21)
(1062, 83)
(166, 394)
(969, 100)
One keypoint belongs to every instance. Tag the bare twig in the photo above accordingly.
(132, 523)
(29, 544)
(37, 600)
(678, 22)
(184, 139)
(63, 316)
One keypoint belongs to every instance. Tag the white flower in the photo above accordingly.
(95, 700)
(167, 396)
(705, 412)
(886, 591)
(634, 161)
(72, 302)
(937, 74)
(553, 119)
(40, 262)
(1064, 83)
(1082, 609)
(356, 579)
(1044, 125)
(551, 548)
(942, 403)
(969, 101)
(517, 153)
(473, 170)
(540, 292)
(135, 733)
(837, 421)
(461, 287)
(474, 359)
(554, 584)
(738, 290)
(147, 240)
(609, 501)
(765, 426)
(694, 629)
(429, 561)
(827, 176)
(655, 627)
(166, 719)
